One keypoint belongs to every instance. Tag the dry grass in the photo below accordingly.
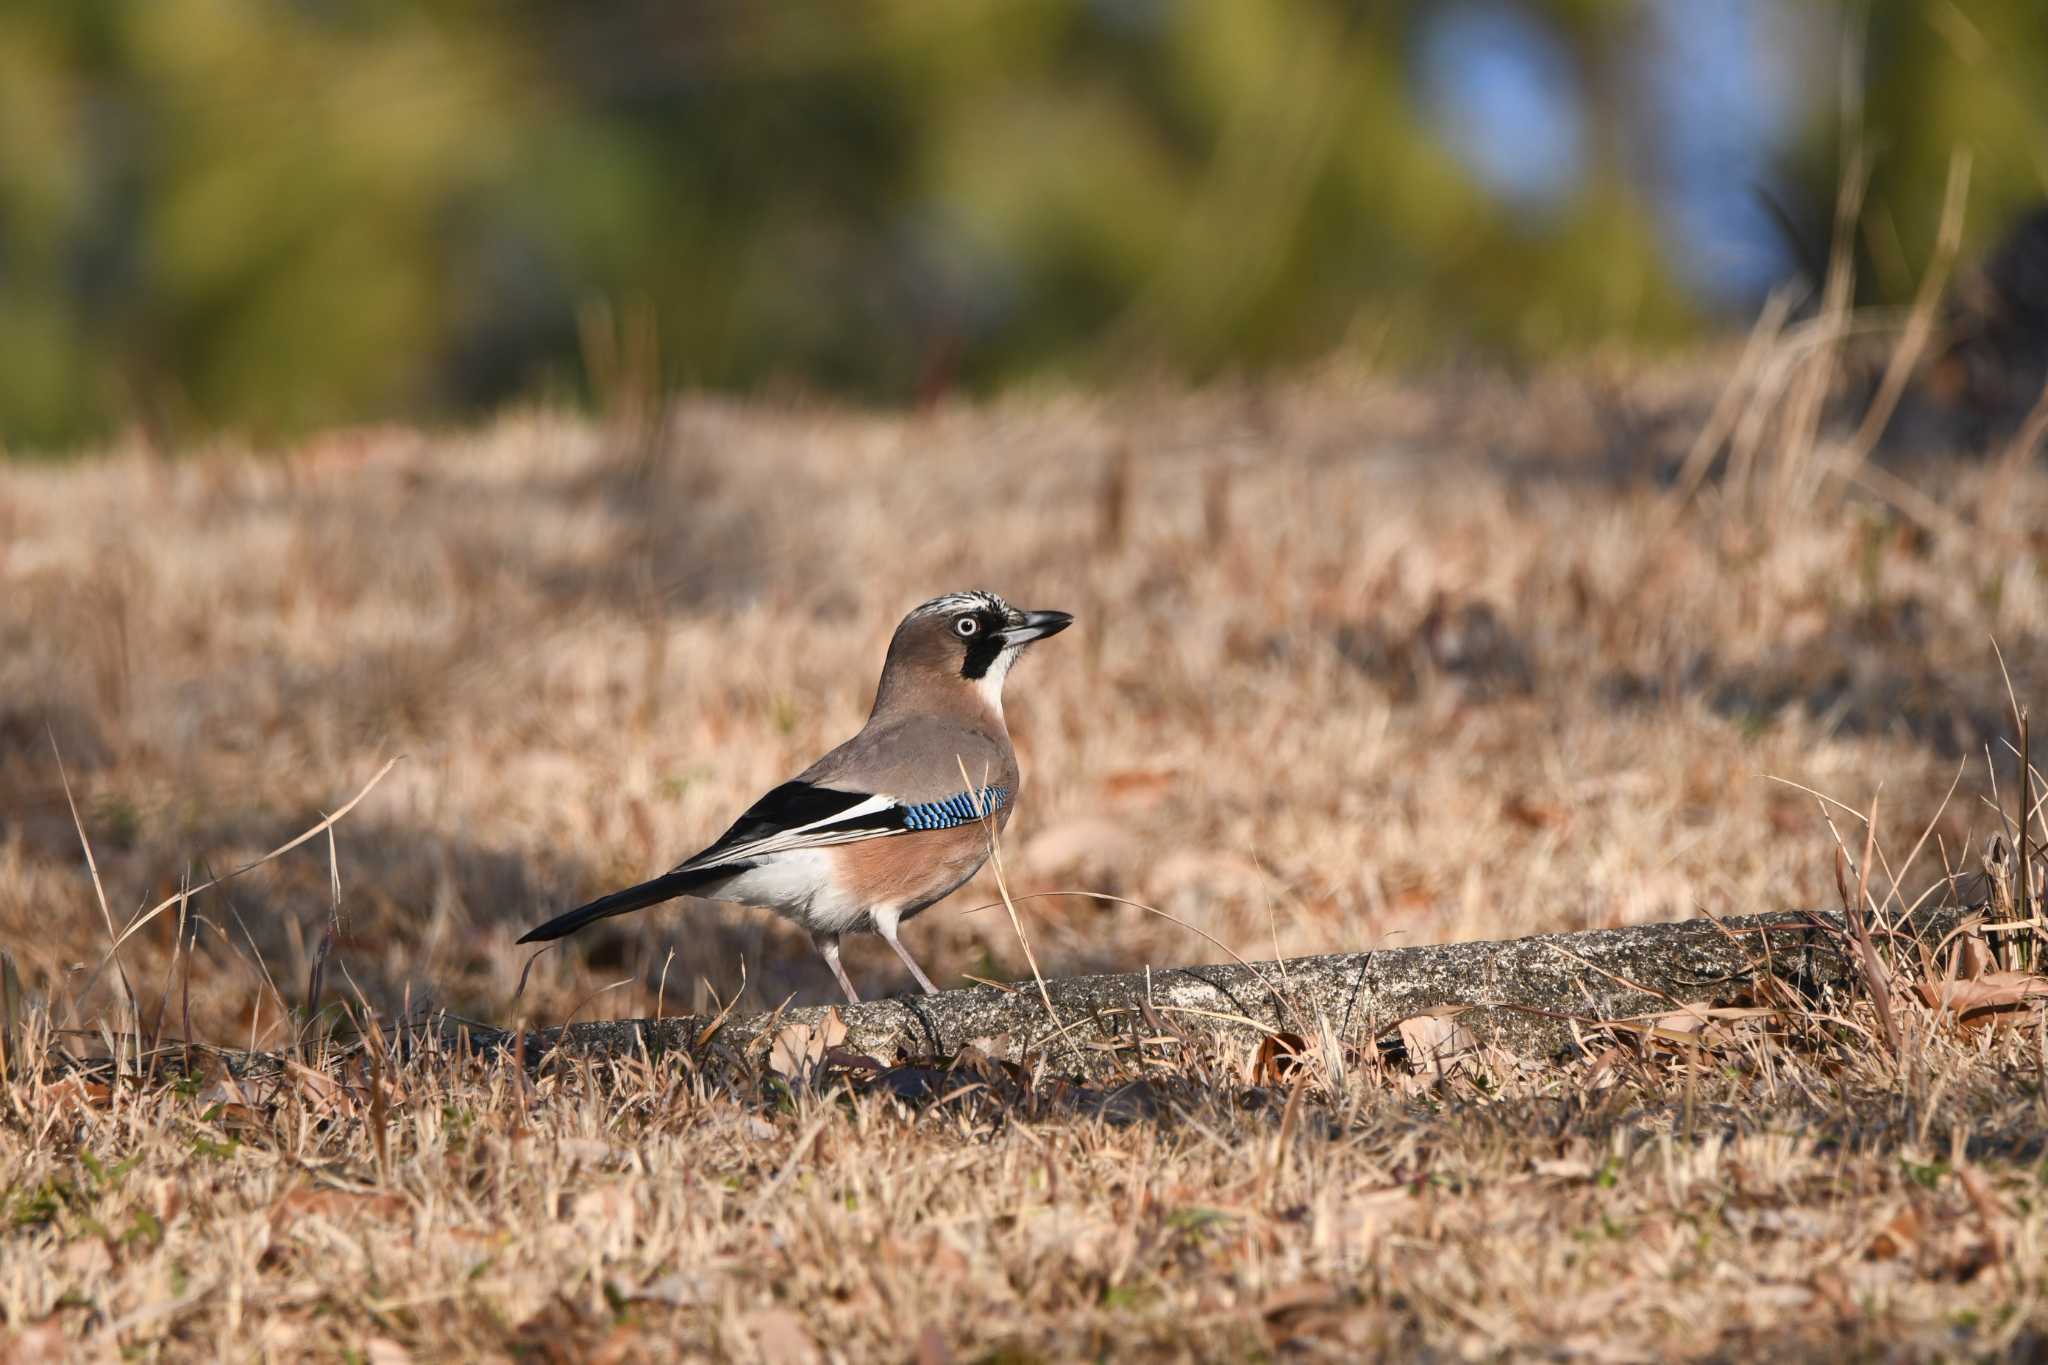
(1356, 665)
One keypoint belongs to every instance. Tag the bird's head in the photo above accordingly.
(964, 639)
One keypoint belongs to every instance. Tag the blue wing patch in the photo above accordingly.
(964, 809)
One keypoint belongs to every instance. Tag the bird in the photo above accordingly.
(893, 820)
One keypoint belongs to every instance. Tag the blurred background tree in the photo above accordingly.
(276, 214)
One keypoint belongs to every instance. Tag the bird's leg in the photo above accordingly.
(885, 925)
(828, 948)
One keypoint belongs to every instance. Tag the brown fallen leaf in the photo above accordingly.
(337, 1205)
(1435, 1041)
(777, 1334)
(224, 1090)
(1896, 1238)
(82, 1093)
(43, 1341)
(1693, 1024)
(1278, 1059)
(1993, 992)
(385, 1351)
(797, 1049)
(1301, 1311)
(321, 1091)
(1530, 814)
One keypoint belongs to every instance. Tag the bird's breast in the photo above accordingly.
(910, 871)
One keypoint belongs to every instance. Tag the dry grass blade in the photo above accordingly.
(1739, 389)
(99, 891)
(995, 853)
(2026, 440)
(1176, 920)
(2026, 854)
(8, 1051)
(329, 933)
(1926, 307)
(1874, 975)
(137, 924)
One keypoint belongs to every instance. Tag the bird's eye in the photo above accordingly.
(967, 627)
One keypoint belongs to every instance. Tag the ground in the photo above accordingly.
(1358, 662)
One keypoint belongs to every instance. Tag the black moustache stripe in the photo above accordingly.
(982, 651)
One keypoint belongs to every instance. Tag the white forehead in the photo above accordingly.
(952, 604)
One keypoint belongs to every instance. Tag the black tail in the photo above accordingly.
(663, 888)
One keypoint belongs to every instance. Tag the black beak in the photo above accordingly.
(1037, 625)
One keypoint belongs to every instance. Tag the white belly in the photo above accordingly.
(799, 886)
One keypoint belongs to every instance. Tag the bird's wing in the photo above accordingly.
(798, 815)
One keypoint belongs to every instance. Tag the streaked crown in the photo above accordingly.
(975, 601)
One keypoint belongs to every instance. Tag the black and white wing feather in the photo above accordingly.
(801, 815)
(796, 815)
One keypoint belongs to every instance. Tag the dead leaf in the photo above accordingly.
(1534, 814)
(1896, 1237)
(777, 1334)
(1300, 1311)
(1435, 1041)
(1992, 992)
(225, 1090)
(321, 1091)
(44, 1341)
(1686, 1023)
(79, 1091)
(1693, 1024)
(1279, 1058)
(796, 1050)
(336, 1205)
(1602, 1072)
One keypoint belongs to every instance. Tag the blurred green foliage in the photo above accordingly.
(274, 214)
